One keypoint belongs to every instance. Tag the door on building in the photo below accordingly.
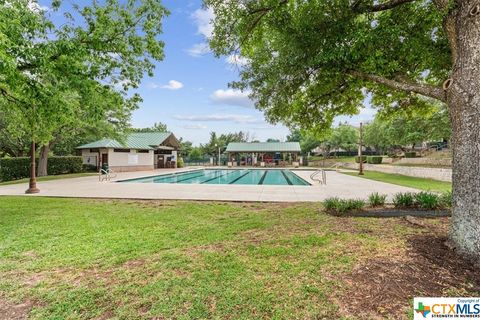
(104, 158)
(161, 161)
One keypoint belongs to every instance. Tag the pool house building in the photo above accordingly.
(139, 151)
(263, 154)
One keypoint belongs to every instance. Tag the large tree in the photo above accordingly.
(51, 67)
(309, 61)
(221, 141)
(308, 140)
(403, 129)
(345, 137)
(97, 113)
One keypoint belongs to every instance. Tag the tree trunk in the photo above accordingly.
(43, 161)
(32, 185)
(463, 97)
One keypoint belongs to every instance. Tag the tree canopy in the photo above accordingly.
(404, 130)
(343, 137)
(221, 141)
(50, 69)
(157, 127)
(309, 61)
(74, 75)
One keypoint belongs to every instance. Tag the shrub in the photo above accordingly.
(411, 154)
(343, 205)
(364, 159)
(374, 159)
(331, 204)
(89, 168)
(61, 165)
(180, 163)
(404, 199)
(14, 168)
(18, 168)
(427, 200)
(354, 204)
(376, 200)
(445, 200)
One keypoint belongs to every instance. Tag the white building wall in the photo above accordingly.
(90, 158)
(129, 159)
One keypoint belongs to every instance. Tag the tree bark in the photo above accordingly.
(463, 97)
(42, 169)
(32, 185)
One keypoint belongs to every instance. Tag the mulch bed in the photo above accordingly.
(385, 288)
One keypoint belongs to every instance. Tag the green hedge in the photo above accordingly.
(364, 159)
(374, 159)
(14, 168)
(18, 168)
(411, 154)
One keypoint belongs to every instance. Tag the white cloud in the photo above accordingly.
(194, 126)
(198, 49)
(236, 59)
(36, 7)
(203, 19)
(237, 118)
(232, 97)
(172, 85)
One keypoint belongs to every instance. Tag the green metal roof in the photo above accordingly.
(143, 140)
(263, 147)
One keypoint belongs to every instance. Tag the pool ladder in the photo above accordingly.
(320, 176)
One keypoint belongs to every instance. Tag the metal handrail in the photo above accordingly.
(106, 175)
(322, 180)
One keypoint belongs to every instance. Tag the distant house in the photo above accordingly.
(140, 151)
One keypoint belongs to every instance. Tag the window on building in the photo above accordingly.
(94, 150)
(121, 150)
(143, 151)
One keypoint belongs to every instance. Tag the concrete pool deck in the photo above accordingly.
(338, 185)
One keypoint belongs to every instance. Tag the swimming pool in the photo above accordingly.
(228, 176)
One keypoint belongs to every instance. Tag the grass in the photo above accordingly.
(83, 259)
(338, 159)
(48, 178)
(406, 181)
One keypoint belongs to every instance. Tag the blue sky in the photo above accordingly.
(189, 92)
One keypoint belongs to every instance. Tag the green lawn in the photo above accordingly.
(84, 259)
(406, 181)
(339, 159)
(48, 178)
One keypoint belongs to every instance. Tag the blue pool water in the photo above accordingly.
(228, 176)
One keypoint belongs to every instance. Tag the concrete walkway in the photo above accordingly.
(338, 185)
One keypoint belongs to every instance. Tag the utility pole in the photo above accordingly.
(360, 158)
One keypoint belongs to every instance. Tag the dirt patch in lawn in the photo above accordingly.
(380, 288)
(11, 311)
